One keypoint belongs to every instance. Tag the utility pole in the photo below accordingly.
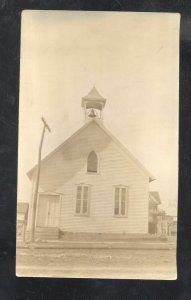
(34, 203)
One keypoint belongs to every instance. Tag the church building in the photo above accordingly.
(91, 183)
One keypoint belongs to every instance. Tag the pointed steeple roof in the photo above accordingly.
(93, 97)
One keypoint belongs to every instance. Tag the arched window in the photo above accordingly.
(92, 163)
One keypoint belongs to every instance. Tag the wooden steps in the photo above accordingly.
(47, 233)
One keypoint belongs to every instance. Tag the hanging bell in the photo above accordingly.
(92, 114)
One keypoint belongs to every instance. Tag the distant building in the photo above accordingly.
(172, 227)
(92, 184)
(154, 201)
(166, 224)
(22, 216)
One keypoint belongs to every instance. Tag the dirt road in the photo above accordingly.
(97, 263)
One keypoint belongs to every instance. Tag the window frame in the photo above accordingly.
(120, 187)
(81, 214)
(98, 164)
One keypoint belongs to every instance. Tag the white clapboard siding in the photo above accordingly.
(68, 167)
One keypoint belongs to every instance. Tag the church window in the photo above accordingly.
(92, 162)
(82, 199)
(120, 203)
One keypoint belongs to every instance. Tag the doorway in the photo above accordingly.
(48, 210)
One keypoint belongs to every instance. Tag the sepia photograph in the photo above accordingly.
(98, 145)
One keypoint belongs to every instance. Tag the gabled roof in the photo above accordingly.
(154, 197)
(22, 207)
(116, 141)
(151, 177)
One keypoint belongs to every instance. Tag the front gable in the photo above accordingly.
(70, 158)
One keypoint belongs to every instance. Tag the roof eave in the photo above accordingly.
(30, 172)
(136, 161)
(151, 177)
(101, 100)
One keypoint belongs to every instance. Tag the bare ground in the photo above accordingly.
(97, 263)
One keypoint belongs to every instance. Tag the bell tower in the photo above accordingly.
(93, 104)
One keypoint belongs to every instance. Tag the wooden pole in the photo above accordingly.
(34, 204)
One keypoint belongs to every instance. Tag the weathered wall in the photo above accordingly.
(67, 168)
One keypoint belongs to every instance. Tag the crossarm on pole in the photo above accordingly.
(45, 124)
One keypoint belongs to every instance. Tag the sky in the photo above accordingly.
(131, 58)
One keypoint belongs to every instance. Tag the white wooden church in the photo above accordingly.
(91, 183)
